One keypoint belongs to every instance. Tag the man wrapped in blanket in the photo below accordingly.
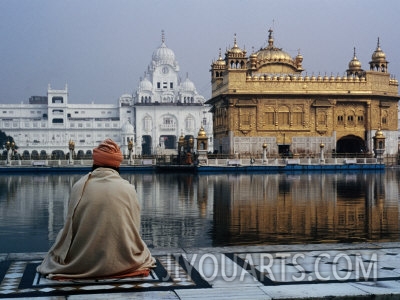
(101, 235)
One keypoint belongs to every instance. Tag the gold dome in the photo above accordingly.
(235, 51)
(378, 54)
(299, 57)
(379, 134)
(220, 61)
(201, 133)
(272, 53)
(355, 64)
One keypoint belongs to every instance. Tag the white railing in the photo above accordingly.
(168, 126)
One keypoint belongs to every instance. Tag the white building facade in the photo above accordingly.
(154, 117)
(45, 125)
(166, 108)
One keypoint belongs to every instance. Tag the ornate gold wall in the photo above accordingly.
(266, 96)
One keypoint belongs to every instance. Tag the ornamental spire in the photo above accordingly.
(162, 36)
(270, 38)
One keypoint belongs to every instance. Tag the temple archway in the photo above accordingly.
(168, 141)
(146, 145)
(350, 144)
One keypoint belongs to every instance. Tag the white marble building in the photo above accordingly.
(154, 117)
(166, 108)
(47, 124)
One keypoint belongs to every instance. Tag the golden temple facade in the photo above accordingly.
(265, 99)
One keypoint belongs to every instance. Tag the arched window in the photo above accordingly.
(57, 99)
(189, 123)
(147, 123)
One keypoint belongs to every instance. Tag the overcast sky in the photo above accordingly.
(102, 48)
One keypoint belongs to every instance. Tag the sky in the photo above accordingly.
(101, 48)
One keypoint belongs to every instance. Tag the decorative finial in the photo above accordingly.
(270, 39)
(162, 36)
(234, 40)
(220, 55)
(378, 43)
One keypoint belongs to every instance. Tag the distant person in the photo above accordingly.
(101, 235)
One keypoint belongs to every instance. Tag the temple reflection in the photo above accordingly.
(306, 208)
(186, 210)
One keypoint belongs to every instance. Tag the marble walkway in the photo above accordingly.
(339, 271)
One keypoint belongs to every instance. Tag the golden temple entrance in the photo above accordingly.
(351, 144)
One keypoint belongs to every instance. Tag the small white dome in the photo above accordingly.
(164, 55)
(126, 96)
(127, 128)
(188, 86)
(145, 85)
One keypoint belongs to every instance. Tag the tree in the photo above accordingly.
(4, 138)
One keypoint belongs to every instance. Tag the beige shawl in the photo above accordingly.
(101, 235)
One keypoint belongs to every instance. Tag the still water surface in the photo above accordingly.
(185, 210)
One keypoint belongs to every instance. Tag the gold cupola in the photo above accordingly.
(355, 66)
(202, 139)
(220, 61)
(274, 60)
(236, 57)
(217, 68)
(378, 60)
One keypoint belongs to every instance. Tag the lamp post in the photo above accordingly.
(191, 144)
(71, 147)
(130, 147)
(10, 150)
(181, 146)
(189, 153)
(8, 147)
(321, 158)
(202, 146)
(265, 146)
(379, 145)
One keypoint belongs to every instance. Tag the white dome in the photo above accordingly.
(127, 128)
(164, 55)
(188, 86)
(145, 85)
(126, 96)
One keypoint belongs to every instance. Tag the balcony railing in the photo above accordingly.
(168, 126)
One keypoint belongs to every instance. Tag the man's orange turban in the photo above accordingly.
(107, 154)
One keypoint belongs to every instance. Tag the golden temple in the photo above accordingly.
(265, 99)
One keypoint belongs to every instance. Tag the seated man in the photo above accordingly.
(100, 238)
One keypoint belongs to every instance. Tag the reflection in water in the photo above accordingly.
(306, 208)
(185, 210)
